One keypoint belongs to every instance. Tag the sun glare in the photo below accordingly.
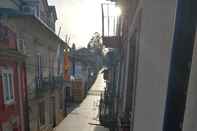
(118, 11)
(114, 10)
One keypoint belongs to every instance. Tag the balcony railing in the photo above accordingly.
(125, 121)
(111, 41)
(106, 115)
(110, 25)
(46, 85)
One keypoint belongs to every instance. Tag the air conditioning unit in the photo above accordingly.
(21, 46)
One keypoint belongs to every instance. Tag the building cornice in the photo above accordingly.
(42, 25)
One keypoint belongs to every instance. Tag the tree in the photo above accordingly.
(95, 46)
(96, 41)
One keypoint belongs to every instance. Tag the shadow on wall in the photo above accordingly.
(100, 128)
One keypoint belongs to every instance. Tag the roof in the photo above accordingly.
(14, 14)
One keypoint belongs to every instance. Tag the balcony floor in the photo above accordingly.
(85, 116)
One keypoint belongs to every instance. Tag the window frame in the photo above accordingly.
(39, 71)
(41, 111)
(10, 88)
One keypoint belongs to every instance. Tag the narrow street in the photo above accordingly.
(85, 117)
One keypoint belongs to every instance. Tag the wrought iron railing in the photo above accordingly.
(106, 108)
(45, 85)
(125, 121)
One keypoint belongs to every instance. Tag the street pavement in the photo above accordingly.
(85, 116)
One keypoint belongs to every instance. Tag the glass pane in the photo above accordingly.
(42, 113)
(10, 86)
(5, 84)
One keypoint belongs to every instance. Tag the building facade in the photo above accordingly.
(85, 66)
(34, 24)
(46, 86)
(155, 73)
(11, 4)
(38, 8)
(13, 85)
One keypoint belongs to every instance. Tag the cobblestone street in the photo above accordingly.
(85, 116)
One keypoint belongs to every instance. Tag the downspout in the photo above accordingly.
(26, 109)
(20, 86)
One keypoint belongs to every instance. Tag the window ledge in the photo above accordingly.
(10, 102)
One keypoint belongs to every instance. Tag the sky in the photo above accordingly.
(79, 19)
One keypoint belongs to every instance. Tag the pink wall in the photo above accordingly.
(6, 111)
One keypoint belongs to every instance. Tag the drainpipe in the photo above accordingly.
(20, 86)
(26, 109)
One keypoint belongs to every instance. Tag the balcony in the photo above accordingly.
(46, 85)
(124, 121)
(111, 41)
(106, 108)
(106, 117)
(111, 25)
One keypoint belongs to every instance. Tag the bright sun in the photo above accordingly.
(118, 11)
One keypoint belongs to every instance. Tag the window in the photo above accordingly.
(3, 34)
(21, 45)
(6, 127)
(38, 70)
(41, 107)
(52, 111)
(61, 100)
(67, 91)
(8, 86)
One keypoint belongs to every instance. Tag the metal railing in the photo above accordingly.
(106, 108)
(44, 85)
